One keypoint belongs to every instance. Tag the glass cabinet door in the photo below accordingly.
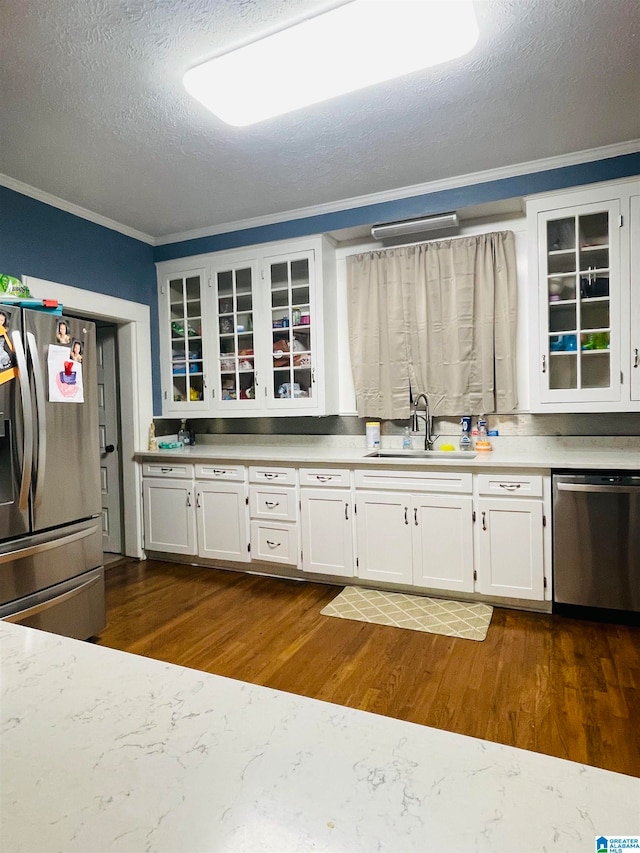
(580, 301)
(237, 373)
(292, 332)
(185, 335)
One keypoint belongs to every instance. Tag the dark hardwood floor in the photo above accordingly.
(551, 684)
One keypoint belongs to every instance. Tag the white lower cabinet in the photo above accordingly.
(510, 548)
(425, 537)
(206, 518)
(385, 550)
(273, 500)
(449, 530)
(169, 519)
(326, 517)
(221, 510)
(443, 542)
(418, 540)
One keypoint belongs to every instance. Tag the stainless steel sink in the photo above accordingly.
(421, 454)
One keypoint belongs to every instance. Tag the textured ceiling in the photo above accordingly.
(93, 111)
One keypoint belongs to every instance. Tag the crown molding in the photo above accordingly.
(532, 166)
(557, 162)
(74, 209)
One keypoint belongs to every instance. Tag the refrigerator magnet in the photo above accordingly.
(62, 332)
(77, 350)
(8, 369)
(65, 376)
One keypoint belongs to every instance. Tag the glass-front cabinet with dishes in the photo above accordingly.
(292, 383)
(251, 333)
(183, 341)
(580, 259)
(236, 368)
(580, 265)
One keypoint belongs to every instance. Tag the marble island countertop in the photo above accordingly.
(107, 751)
(508, 452)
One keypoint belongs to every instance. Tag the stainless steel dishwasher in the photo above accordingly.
(596, 540)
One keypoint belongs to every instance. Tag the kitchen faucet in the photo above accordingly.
(429, 439)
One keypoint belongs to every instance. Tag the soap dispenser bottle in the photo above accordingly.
(483, 442)
(465, 436)
(183, 434)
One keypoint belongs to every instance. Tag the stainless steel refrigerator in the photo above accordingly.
(51, 574)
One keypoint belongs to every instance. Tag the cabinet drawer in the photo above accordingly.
(275, 502)
(179, 470)
(221, 472)
(415, 481)
(324, 477)
(276, 543)
(513, 485)
(272, 474)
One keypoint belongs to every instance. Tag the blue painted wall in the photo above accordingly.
(609, 169)
(45, 242)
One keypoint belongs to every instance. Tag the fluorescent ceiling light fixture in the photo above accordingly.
(415, 226)
(344, 49)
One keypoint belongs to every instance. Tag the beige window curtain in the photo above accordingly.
(439, 317)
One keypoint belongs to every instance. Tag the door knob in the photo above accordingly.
(109, 448)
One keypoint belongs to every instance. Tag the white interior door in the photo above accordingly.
(109, 431)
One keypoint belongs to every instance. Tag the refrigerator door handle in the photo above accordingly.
(41, 462)
(27, 421)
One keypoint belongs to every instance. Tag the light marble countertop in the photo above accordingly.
(106, 751)
(507, 453)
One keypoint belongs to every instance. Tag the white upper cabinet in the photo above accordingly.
(582, 301)
(634, 349)
(264, 342)
(183, 341)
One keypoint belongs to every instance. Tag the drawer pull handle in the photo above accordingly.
(166, 470)
(484, 520)
(272, 504)
(219, 471)
(510, 487)
(273, 544)
(323, 478)
(268, 475)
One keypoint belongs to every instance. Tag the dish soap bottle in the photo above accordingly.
(406, 439)
(483, 442)
(183, 434)
(465, 437)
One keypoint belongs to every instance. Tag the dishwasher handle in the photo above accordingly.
(593, 487)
